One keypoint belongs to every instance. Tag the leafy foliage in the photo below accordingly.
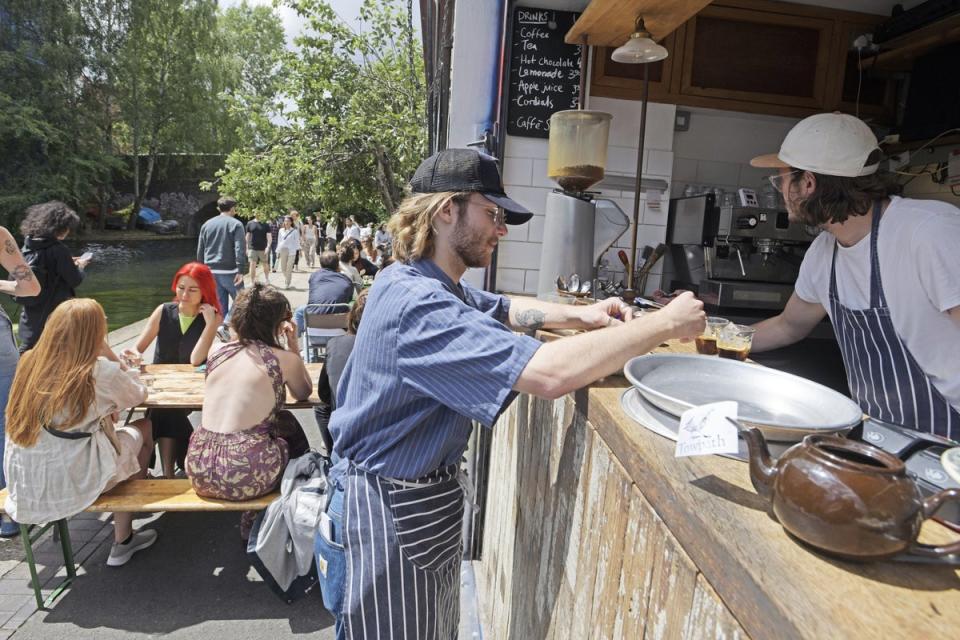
(357, 130)
(93, 89)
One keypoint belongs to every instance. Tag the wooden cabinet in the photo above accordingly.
(758, 56)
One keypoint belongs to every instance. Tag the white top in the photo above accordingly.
(351, 272)
(288, 239)
(352, 231)
(331, 230)
(57, 477)
(921, 281)
(381, 237)
(309, 232)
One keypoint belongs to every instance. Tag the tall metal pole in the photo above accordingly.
(584, 55)
(636, 196)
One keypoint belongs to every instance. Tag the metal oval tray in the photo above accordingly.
(666, 425)
(783, 406)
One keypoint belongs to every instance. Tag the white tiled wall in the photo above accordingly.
(717, 149)
(525, 178)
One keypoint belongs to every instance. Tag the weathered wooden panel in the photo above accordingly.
(571, 548)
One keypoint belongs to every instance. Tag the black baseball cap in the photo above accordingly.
(467, 170)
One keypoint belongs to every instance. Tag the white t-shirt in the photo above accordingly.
(917, 250)
(353, 231)
(288, 240)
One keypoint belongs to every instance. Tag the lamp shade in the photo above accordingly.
(639, 49)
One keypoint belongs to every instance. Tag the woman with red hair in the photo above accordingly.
(184, 330)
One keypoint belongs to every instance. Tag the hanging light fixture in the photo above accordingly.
(640, 48)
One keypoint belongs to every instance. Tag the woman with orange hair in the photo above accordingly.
(184, 330)
(63, 450)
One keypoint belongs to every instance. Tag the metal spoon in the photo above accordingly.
(585, 288)
(574, 283)
(561, 284)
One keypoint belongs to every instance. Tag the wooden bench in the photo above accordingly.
(131, 496)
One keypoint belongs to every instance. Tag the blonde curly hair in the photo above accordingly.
(411, 225)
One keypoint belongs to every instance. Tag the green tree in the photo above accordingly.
(52, 148)
(166, 96)
(357, 127)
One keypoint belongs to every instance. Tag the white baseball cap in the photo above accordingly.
(834, 144)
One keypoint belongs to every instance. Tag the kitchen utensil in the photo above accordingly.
(846, 498)
(655, 255)
(624, 260)
(783, 406)
(573, 283)
(561, 284)
(585, 288)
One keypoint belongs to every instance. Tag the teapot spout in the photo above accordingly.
(763, 468)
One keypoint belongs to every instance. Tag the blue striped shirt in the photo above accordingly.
(430, 357)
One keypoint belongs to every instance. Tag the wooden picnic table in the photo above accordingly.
(180, 386)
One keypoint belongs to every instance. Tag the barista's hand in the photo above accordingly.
(685, 316)
(606, 313)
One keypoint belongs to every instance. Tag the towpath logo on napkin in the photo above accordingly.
(705, 430)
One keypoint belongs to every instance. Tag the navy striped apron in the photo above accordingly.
(884, 378)
(403, 548)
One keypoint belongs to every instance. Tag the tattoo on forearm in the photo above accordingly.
(22, 273)
(530, 319)
(10, 247)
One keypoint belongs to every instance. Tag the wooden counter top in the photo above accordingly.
(774, 586)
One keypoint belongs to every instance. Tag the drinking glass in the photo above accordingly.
(735, 341)
(707, 341)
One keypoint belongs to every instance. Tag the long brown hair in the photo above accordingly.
(55, 378)
(411, 225)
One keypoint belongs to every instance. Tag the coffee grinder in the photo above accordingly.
(577, 159)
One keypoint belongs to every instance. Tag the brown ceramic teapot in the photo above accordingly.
(846, 498)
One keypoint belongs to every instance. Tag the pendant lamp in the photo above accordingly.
(639, 48)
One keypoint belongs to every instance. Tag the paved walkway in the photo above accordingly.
(194, 582)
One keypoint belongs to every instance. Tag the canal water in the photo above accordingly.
(129, 278)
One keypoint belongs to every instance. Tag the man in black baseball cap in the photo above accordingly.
(467, 170)
(433, 355)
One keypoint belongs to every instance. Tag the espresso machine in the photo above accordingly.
(573, 242)
(734, 257)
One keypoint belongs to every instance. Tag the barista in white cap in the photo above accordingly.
(885, 271)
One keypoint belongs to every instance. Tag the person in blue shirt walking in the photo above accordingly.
(432, 355)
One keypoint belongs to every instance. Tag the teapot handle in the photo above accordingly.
(930, 506)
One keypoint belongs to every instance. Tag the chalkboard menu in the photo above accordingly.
(544, 70)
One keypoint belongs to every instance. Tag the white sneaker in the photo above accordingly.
(120, 554)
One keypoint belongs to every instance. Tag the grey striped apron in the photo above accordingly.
(884, 378)
(403, 546)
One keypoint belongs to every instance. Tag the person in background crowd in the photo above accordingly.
(63, 449)
(363, 266)
(332, 228)
(22, 283)
(184, 330)
(259, 239)
(404, 413)
(288, 244)
(381, 237)
(352, 230)
(308, 240)
(366, 232)
(44, 228)
(347, 255)
(298, 225)
(386, 262)
(246, 439)
(885, 271)
(274, 231)
(327, 286)
(223, 247)
(369, 252)
(338, 350)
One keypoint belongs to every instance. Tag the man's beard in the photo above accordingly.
(468, 244)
